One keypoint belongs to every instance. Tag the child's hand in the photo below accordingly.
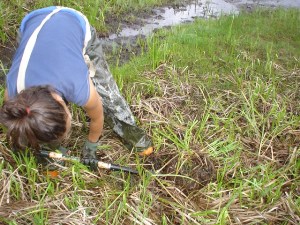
(89, 150)
(89, 154)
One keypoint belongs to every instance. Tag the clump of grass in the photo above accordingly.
(228, 76)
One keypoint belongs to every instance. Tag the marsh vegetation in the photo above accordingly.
(220, 98)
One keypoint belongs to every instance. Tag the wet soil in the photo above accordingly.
(190, 174)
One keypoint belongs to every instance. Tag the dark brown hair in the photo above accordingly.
(33, 117)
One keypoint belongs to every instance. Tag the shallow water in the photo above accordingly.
(167, 16)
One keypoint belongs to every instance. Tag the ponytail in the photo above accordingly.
(33, 117)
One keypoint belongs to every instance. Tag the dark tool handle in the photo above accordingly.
(123, 168)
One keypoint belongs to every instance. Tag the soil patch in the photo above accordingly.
(189, 172)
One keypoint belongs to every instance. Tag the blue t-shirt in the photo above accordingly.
(57, 57)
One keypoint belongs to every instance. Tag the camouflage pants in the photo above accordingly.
(117, 113)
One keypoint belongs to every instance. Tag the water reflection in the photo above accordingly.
(168, 16)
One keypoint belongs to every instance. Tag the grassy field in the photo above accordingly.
(220, 98)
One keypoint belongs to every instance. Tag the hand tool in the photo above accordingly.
(99, 164)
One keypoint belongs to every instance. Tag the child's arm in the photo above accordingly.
(94, 110)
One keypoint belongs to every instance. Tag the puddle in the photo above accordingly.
(167, 16)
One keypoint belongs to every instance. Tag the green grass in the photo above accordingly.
(220, 98)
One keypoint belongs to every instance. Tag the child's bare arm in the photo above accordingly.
(94, 110)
